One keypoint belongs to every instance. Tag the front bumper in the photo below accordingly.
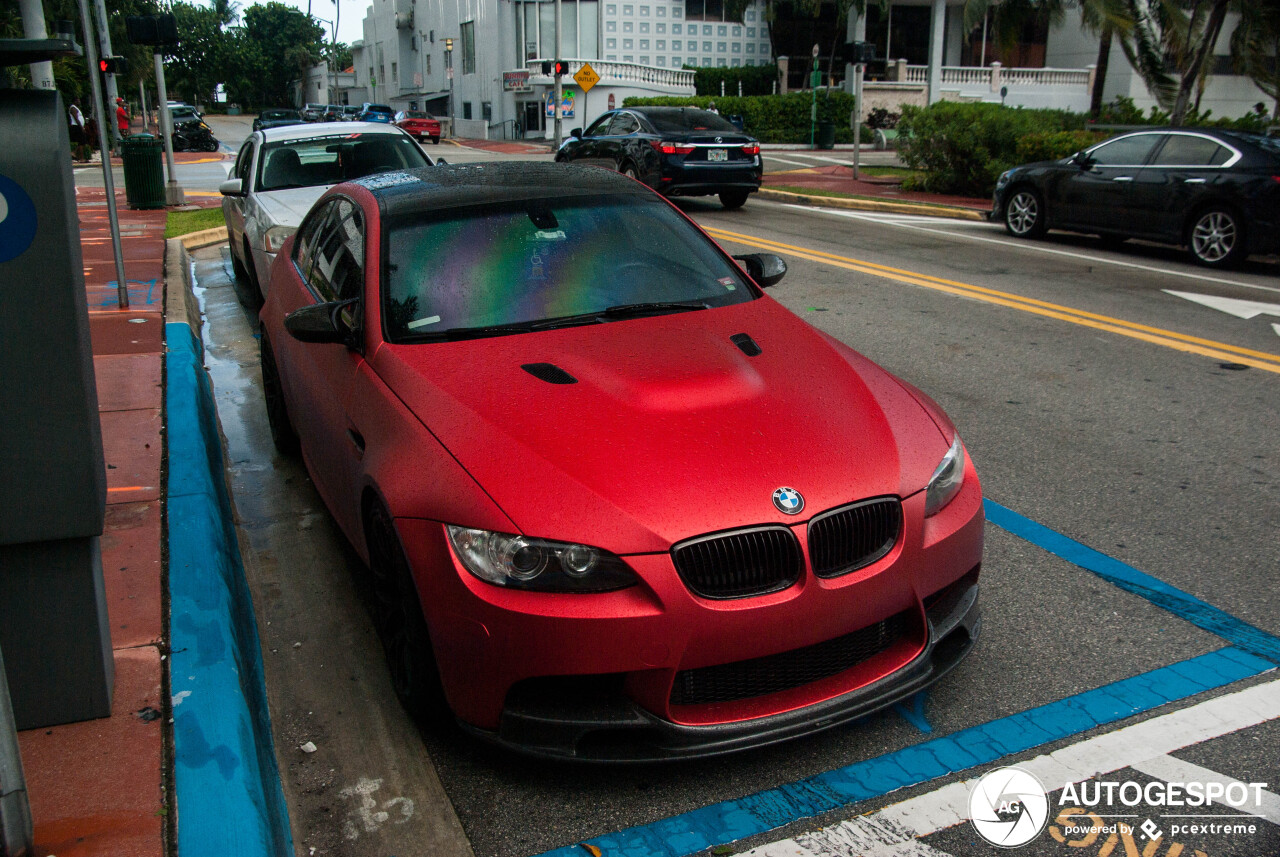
(612, 728)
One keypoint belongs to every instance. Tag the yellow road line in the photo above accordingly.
(1157, 336)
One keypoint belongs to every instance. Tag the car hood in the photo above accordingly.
(671, 430)
(288, 207)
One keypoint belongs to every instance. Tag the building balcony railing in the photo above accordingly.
(992, 77)
(615, 73)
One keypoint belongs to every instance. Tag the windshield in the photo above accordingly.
(340, 158)
(181, 114)
(454, 272)
(378, 108)
(416, 114)
(689, 119)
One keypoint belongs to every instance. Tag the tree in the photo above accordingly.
(1255, 46)
(197, 64)
(281, 43)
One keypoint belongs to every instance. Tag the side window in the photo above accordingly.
(243, 160)
(1129, 151)
(1186, 150)
(304, 247)
(624, 124)
(600, 127)
(337, 268)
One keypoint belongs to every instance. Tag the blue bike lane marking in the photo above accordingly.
(1253, 652)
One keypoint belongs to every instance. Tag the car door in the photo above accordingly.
(1183, 171)
(233, 209)
(585, 149)
(621, 140)
(1094, 194)
(331, 263)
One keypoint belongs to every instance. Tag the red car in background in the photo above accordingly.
(617, 503)
(419, 124)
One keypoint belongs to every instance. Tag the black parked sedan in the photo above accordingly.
(677, 151)
(1216, 192)
(277, 119)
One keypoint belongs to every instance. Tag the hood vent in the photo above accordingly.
(747, 344)
(549, 372)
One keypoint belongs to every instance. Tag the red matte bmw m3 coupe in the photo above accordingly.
(617, 503)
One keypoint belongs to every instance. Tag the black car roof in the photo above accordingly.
(456, 185)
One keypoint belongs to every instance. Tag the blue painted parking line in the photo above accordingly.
(229, 796)
(1199, 613)
(732, 820)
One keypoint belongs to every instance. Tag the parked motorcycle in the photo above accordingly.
(194, 137)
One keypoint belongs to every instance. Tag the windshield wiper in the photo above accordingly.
(635, 310)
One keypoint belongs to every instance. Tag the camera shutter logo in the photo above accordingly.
(1008, 807)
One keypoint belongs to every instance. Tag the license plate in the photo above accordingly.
(717, 154)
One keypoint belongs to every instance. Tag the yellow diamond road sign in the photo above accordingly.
(586, 77)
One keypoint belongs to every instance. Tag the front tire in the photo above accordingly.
(283, 434)
(732, 199)
(1024, 214)
(1216, 238)
(406, 641)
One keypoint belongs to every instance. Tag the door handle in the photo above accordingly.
(1123, 179)
(357, 440)
(1193, 181)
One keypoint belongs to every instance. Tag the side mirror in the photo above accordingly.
(440, 162)
(1082, 160)
(575, 132)
(765, 268)
(323, 323)
(231, 187)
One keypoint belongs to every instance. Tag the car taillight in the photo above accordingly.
(752, 149)
(668, 148)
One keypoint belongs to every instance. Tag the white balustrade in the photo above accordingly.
(621, 72)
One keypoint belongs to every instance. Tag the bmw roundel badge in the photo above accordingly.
(788, 501)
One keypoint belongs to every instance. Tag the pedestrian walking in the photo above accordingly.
(711, 108)
(122, 117)
(76, 131)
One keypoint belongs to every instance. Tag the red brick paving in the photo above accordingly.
(840, 178)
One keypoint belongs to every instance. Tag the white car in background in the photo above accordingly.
(280, 172)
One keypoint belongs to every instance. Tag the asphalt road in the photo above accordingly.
(1065, 368)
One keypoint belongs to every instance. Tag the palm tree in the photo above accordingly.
(1255, 44)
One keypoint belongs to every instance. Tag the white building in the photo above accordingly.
(492, 83)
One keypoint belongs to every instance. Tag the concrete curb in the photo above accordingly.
(923, 209)
(204, 238)
(227, 784)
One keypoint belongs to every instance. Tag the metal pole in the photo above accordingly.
(108, 180)
(559, 90)
(142, 102)
(173, 194)
(858, 69)
(104, 33)
(33, 28)
(15, 812)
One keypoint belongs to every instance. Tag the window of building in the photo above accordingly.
(676, 12)
(644, 46)
(628, 11)
(428, 63)
(722, 31)
(737, 47)
(611, 9)
(660, 45)
(751, 49)
(737, 62)
(395, 75)
(677, 45)
(611, 44)
(751, 16)
(486, 111)
(722, 63)
(706, 29)
(644, 60)
(611, 26)
(675, 62)
(662, 61)
(466, 110)
(751, 32)
(628, 44)
(706, 47)
(661, 28)
(721, 47)
(704, 10)
(644, 26)
(612, 57)
(467, 35)
(644, 11)
(628, 58)
(662, 11)
(675, 29)
(627, 26)
(706, 62)
(737, 32)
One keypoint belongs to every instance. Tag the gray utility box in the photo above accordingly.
(53, 616)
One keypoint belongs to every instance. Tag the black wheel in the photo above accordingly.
(629, 171)
(246, 291)
(732, 199)
(435, 141)
(406, 642)
(1216, 237)
(211, 145)
(283, 434)
(1024, 213)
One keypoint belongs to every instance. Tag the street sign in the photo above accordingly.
(516, 81)
(586, 77)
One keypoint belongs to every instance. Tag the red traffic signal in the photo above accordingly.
(561, 68)
(113, 65)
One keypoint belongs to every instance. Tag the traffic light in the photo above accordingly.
(448, 45)
(561, 68)
(547, 66)
(113, 65)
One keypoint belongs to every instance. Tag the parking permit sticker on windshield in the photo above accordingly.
(727, 282)
(550, 235)
(423, 322)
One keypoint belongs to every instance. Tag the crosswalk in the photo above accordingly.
(1146, 748)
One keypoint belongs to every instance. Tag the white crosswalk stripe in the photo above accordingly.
(894, 831)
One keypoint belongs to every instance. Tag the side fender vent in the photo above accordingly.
(549, 372)
(748, 345)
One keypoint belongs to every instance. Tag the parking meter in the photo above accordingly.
(53, 617)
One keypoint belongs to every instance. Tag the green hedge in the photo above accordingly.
(1052, 145)
(963, 147)
(772, 118)
(756, 80)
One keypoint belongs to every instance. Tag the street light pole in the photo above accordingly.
(559, 88)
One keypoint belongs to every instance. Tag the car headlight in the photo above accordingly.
(520, 562)
(946, 481)
(1004, 178)
(276, 236)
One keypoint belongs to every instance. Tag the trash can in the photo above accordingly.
(826, 135)
(142, 155)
